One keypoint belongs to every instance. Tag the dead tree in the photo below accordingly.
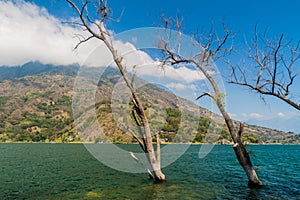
(270, 69)
(102, 33)
(211, 48)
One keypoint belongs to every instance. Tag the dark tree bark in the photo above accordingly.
(202, 62)
(144, 136)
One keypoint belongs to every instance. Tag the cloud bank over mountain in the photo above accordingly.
(30, 33)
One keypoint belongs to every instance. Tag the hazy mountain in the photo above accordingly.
(35, 68)
(285, 124)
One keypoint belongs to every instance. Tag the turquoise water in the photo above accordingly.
(68, 171)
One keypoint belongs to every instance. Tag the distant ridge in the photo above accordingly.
(36, 68)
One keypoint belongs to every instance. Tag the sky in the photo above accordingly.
(32, 30)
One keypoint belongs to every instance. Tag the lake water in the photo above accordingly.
(68, 171)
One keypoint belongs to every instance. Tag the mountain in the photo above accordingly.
(36, 105)
(35, 68)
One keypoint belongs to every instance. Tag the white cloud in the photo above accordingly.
(134, 40)
(252, 115)
(30, 33)
(100, 56)
(280, 114)
(232, 115)
(177, 86)
(184, 74)
(255, 115)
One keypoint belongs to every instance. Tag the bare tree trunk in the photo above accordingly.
(104, 35)
(239, 149)
(159, 176)
(154, 160)
(212, 48)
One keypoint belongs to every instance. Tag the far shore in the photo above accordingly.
(163, 143)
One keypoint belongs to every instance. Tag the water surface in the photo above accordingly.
(68, 171)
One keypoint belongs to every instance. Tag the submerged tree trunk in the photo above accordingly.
(159, 176)
(146, 142)
(239, 148)
(103, 34)
(245, 162)
(212, 49)
(156, 164)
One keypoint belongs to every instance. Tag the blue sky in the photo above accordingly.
(277, 16)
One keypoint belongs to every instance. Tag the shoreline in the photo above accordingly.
(164, 143)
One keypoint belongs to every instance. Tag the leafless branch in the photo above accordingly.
(212, 49)
(74, 23)
(274, 62)
(138, 113)
(80, 12)
(205, 94)
(158, 147)
(83, 41)
(138, 139)
(142, 165)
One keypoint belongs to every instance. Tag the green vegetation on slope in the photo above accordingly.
(38, 108)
